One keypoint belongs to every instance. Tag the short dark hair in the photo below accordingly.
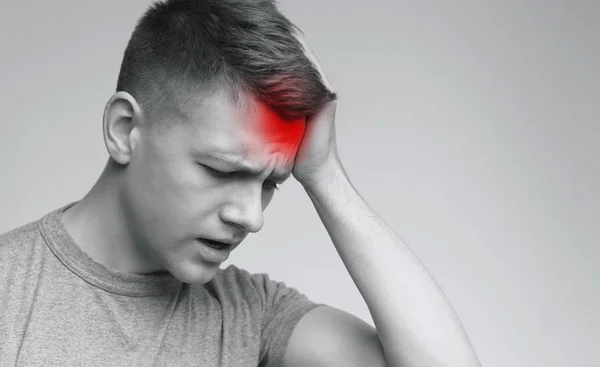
(244, 46)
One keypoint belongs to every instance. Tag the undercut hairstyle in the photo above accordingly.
(241, 46)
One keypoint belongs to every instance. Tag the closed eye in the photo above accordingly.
(216, 173)
(269, 184)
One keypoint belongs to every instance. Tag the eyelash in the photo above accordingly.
(270, 184)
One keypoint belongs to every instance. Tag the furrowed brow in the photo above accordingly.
(238, 166)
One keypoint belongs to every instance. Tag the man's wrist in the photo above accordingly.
(329, 180)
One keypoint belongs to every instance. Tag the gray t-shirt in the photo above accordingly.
(58, 307)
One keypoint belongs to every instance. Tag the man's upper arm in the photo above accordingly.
(327, 337)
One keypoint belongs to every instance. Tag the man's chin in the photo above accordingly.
(195, 273)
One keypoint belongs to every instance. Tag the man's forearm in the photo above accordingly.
(416, 324)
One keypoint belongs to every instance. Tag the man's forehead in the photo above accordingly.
(273, 129)
(248, 122)
(244, 135)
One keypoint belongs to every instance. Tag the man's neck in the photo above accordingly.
(99, 227)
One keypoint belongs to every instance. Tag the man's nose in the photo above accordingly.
(245, 210)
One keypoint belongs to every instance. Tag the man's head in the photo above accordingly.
(209, 90)
(245, 46)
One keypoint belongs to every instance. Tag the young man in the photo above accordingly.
(217, 102)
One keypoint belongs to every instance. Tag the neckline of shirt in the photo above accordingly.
(100, 275)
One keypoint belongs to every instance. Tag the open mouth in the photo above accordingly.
(216, 244)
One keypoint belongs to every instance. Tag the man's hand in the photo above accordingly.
(317, 157)
(415, 322)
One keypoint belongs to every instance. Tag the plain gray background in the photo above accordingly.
(472, 127)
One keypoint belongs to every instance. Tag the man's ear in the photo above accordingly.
(122, 116)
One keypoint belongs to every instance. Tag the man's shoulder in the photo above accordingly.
(233, 280)
(257, 288)
(18, 236)
(238, 278)
(16, 253)
(30, 233)
(236, 283)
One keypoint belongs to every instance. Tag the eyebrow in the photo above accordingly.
(239, 166)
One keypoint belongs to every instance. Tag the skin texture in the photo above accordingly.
(167, 187)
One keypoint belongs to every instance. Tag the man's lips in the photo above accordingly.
(219, 244)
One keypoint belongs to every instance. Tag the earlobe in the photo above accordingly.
(120, 115)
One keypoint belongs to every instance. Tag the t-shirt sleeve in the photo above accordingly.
(282, 307)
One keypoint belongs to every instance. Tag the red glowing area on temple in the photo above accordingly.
(282, 135)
